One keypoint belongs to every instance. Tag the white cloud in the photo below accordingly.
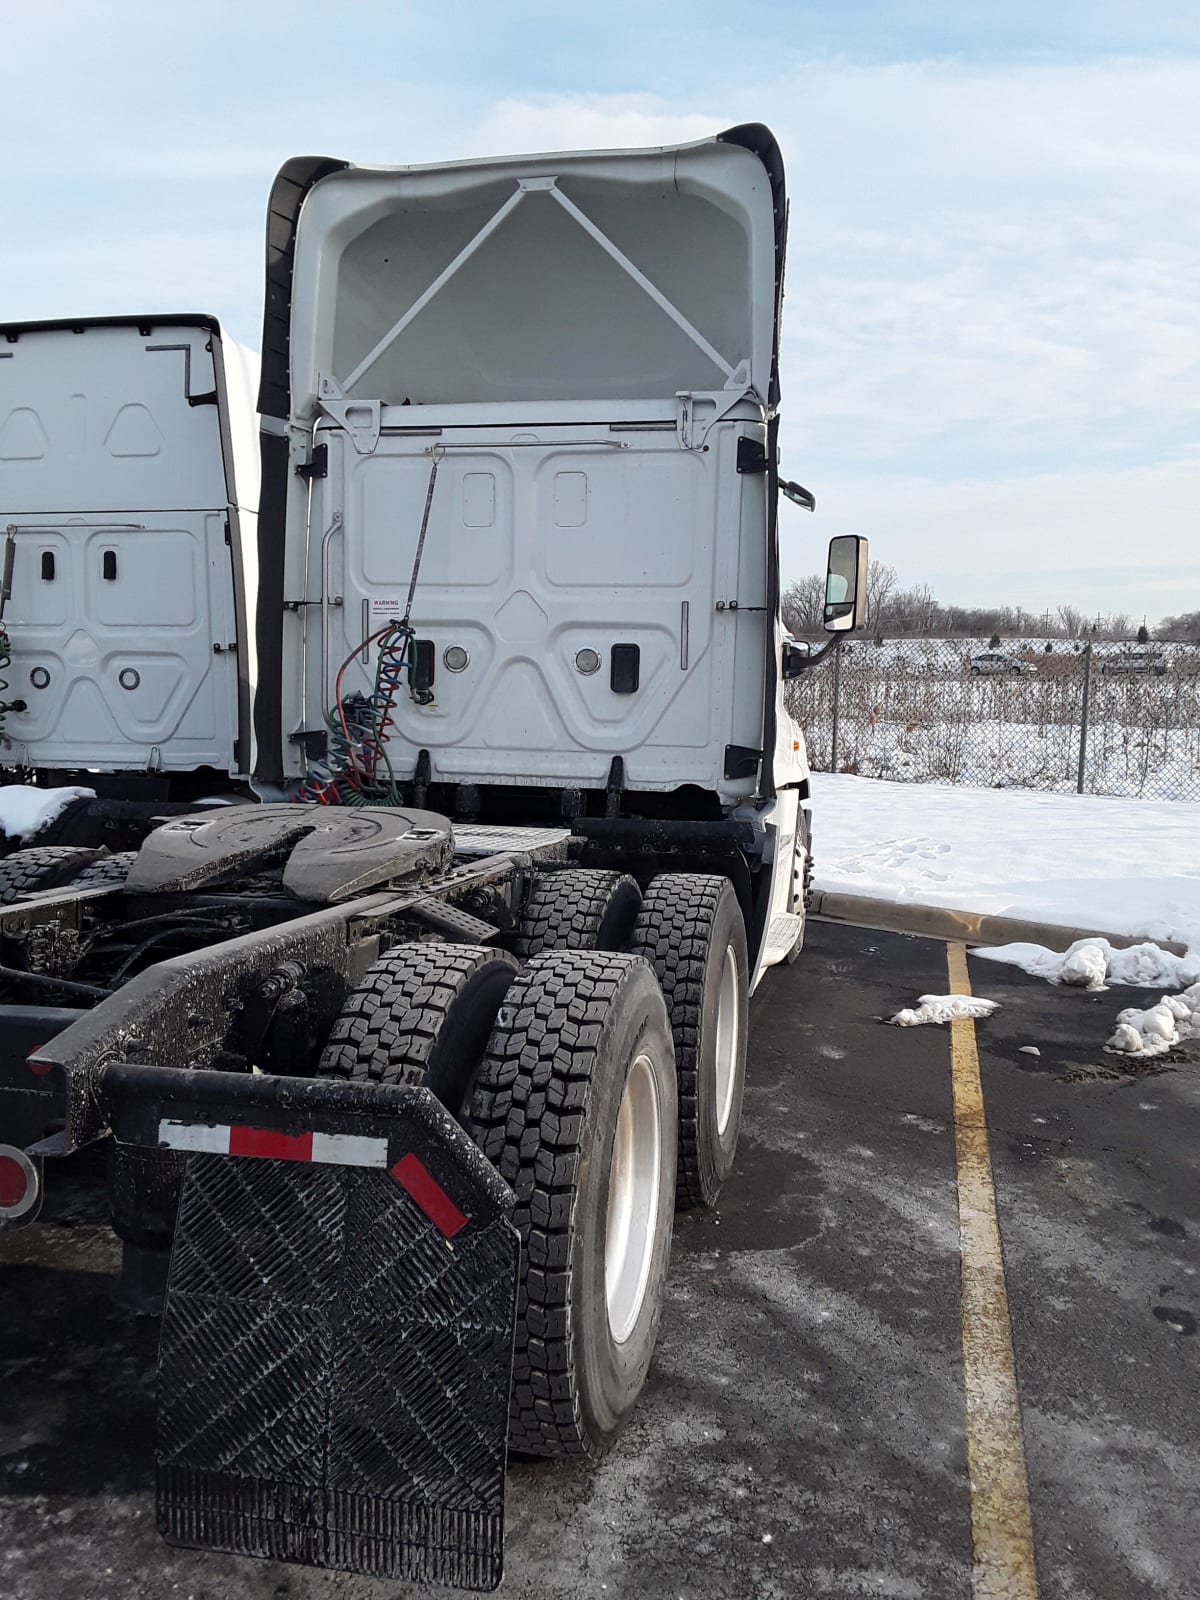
(589, 122)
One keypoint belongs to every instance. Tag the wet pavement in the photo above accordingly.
(803, 1430)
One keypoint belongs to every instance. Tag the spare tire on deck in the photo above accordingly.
(47, 866)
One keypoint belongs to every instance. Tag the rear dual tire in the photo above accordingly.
(575, 1106)
(578, 908)
(422, 1015)
(692, 932)
(567, 1070)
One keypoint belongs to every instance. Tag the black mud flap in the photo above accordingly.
(335, 1364)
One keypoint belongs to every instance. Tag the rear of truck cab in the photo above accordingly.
(129, 481)
(573, 359)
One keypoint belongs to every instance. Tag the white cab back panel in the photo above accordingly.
(542, 543)
(118, 490)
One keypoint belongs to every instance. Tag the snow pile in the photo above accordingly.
(943, 1008)
(1160, 1027)
(1094, 964)
(25, 811)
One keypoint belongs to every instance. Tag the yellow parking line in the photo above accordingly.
(1001, 1521)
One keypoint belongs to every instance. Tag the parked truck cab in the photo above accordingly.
(407, 1066)
(530, 407)
(128, 509)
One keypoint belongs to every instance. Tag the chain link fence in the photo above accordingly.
(1097, 718)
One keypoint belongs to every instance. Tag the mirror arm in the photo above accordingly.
(827, 648)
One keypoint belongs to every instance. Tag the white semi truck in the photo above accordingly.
(409, 1077)
(129, 481)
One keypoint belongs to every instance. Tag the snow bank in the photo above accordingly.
(943, 1008)
(1128, 867)
(25, 811)
(1158, 1028)
(1094, 964)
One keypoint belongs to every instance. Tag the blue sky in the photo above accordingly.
(992, 337)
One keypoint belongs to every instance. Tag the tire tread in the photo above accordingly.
(528, 1112)
(25, 871)
(566, 910)
(673, 933)
(389, 1024)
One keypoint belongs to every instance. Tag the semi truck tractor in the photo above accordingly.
(128, 511)
(405, 1067)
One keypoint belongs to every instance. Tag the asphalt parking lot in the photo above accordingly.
(805, 1431)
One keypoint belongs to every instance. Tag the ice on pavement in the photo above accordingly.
(1094, 964)
(25, 811)
(943, 1008)
(1160, 1027)
(1123, 866)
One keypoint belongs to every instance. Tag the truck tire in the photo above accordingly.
(692, 932)
(48, 866)
(578, 909)
(575, 1105)
(423, 1015)
(107, 869)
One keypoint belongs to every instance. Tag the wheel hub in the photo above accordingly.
(729, 1029)
(633, 1190)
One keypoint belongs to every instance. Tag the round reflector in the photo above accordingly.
(20, 1188)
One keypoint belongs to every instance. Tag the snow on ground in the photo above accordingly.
(1116, 866)
(1094, 964)
(943, 1008)
(25, 811)
(1158, 1028)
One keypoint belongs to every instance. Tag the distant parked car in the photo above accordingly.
(992, 664)
(1136, 661)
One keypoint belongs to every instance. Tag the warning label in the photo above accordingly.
(383, 608)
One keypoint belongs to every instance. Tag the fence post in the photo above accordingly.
(837, 695)
(1083, 714)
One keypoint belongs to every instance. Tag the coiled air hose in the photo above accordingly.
(358, 725)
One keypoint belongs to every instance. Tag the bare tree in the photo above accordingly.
(1071, 621)
(881, 582)
(804, 605)
(1185, 627)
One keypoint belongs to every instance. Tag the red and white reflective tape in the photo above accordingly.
(331, 1149)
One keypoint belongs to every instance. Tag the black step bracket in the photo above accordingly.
(317, 465)
(362, 1426)
(741, 761)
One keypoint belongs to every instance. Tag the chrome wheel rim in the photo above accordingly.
(729, 1032)
(634, 1181)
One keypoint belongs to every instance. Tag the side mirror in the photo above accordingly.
(799, 496)
(845, 583)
